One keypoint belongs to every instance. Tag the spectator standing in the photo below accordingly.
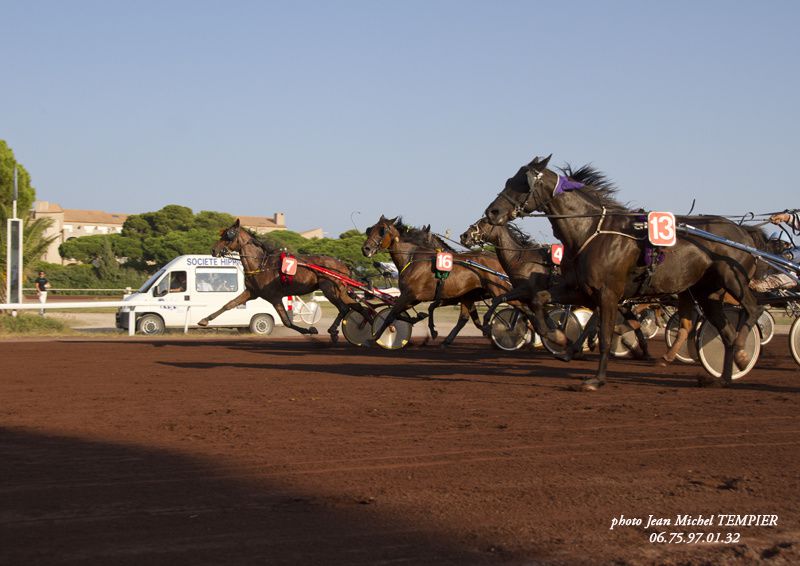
(42, 284)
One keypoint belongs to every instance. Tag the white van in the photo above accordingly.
(197, 280)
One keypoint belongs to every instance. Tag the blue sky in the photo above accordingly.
(420, 108)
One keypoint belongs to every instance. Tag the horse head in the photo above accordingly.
(531, 188)
(231, 239)
(477, 233)
(380, 236)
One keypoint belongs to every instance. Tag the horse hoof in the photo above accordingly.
(710, 381)
(662, 362)
(563, 356)
(313, 330)
(334, 337)
(592, 384)
(741, 359)
(434, 335)
(203, 322)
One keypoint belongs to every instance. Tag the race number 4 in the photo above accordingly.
(661, 228)
(556, 253)
(444, 261)
(289, 265)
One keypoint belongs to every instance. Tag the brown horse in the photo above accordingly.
(413, 251)
(263, 278)
(531, 269)
(609, 256)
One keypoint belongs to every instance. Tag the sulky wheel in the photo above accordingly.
(566, 321)
(688, 352)
(356, 330)
(766, 324)
(509, 329)
(396, 336)
(712, 351)
(794, 340)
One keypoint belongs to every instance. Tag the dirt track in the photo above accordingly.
(289, 451)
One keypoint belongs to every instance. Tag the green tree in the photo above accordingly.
(34, 241)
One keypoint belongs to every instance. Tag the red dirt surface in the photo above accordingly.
(294, 452)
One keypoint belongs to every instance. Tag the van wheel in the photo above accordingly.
(262, 324)
(150, 325)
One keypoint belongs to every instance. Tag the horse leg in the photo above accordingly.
(608, 313)
(712, 307)
(561, 294)
(281, 310)
(401, 304)
(516, 294)
(245, 296)
(575, 350)
(686, 314)
(639, 349)
(748, 317)
(433, 306)
(468, 311)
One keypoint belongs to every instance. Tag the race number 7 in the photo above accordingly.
(444, 261)
(289, 265)
(556, 253)
(661, 228)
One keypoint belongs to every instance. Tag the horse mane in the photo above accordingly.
(758, 235)
(268, 247)
(598, 185)
(422, 237)
(520, 238)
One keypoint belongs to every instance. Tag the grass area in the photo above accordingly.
(31, 324)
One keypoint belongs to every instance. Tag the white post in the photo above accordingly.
(131, 321)
(186, 320)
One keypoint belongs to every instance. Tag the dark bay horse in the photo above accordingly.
(527, 263)
(413, 251)
(262, 269)
(606, 251)
(531, 269)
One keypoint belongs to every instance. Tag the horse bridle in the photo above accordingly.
(475, 235)
(230, 235)
(519, 207)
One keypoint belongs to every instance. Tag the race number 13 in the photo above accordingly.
(289, 265)
(661, 228)
(444, 261)
(557, 253)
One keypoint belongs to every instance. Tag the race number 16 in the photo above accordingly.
(557, 253)
(289, 265)
(661, 228)
(444, 261)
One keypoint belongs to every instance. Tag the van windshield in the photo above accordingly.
(149, 283)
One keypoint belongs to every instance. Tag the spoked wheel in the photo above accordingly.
(356, 329)
(509, 329)
(568, 323)
(711, 349)
(688, 352)
(310, 312)
(794, 340)
(396, 336)
(766, 324)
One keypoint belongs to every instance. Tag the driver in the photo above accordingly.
(780, 280)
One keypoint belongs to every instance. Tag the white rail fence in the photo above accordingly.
(103, 304)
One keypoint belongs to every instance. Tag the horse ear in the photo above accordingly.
(393, 220)
(540, 164)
